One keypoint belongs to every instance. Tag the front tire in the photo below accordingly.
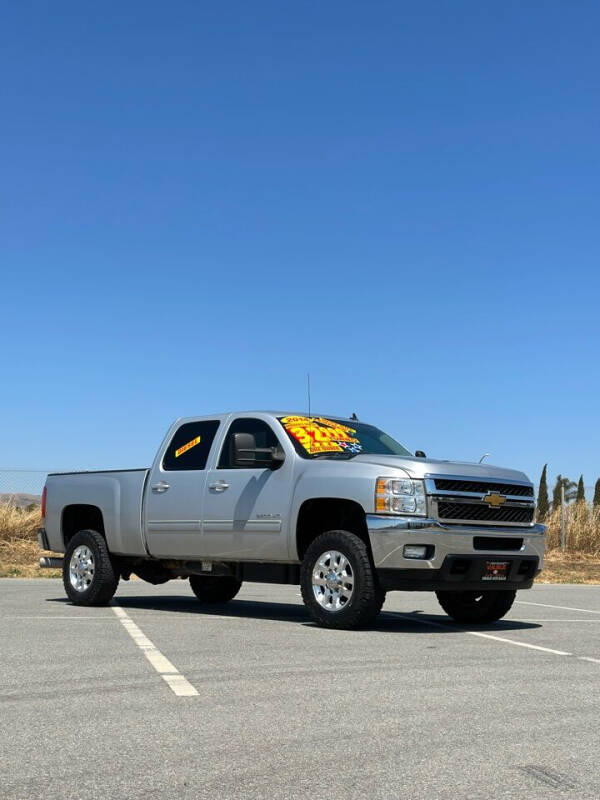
(487, 606)
(209, 589)
(89, 574)
(338, 582)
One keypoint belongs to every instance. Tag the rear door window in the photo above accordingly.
(190, 446)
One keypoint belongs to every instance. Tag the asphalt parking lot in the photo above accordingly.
(156, 697)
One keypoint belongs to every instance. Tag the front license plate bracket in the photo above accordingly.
(495, 570)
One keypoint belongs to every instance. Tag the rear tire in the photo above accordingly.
(338, 582)
(90, 576)
(210, 589)
(486, 606)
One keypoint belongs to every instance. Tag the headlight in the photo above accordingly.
(400, 496)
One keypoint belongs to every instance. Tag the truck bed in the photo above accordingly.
(119, 493)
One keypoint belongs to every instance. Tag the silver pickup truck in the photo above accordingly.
(334, 505)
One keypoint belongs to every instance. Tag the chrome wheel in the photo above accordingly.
(333, 581)
(81, 568)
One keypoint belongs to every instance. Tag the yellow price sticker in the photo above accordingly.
(320, 435)
(187, 446)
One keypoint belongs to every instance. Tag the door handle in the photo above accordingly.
(219, 486)
(160, 487)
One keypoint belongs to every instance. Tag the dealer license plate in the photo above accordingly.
(495, 571)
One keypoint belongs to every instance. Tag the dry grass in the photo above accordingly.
(582, 526)
(562, 567)
(580, 563)
(19, 549)
(20, 553)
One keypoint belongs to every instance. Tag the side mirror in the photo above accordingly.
(243, 446)
(420, 454)
(247, 454)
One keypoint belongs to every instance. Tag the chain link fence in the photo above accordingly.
(577, 527)
(31, 482)
(22, 486)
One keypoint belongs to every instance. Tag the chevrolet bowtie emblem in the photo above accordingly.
(494, 499)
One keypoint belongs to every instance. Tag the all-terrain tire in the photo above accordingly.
(87, 556)
(210, 589)
(366, 597)
(486, 606)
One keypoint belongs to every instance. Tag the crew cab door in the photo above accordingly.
(246, 509)
(175, 492)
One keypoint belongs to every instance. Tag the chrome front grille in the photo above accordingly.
(480, 512)
(465, 500)
(452, 485)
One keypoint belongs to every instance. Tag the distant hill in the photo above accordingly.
(20, 500)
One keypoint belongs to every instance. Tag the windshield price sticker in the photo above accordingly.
(187, 446)
(320, 435)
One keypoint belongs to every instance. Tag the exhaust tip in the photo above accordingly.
(47, 562)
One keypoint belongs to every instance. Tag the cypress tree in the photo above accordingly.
(556, 498)
(580, 491)
(543, 505)
(570, 491)
(597, 494)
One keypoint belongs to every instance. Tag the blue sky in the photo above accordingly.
(202, 201)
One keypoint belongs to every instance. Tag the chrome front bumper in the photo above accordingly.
(389, 534)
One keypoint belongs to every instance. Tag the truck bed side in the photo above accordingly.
(117, 495)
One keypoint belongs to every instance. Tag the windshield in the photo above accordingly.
(313, 436)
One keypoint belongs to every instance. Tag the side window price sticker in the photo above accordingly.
(187, 446)
(320, 435)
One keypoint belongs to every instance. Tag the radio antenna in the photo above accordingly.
(308, 390)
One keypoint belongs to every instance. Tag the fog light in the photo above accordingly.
(415, 551)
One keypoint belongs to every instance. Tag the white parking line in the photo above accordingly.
(566, 619)
(587, 658)
(519, 644)
(168, 672)
(548, 605)
(56, 616)
(483, 635)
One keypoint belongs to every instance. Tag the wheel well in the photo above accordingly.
(327, 514)
(80, 517)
